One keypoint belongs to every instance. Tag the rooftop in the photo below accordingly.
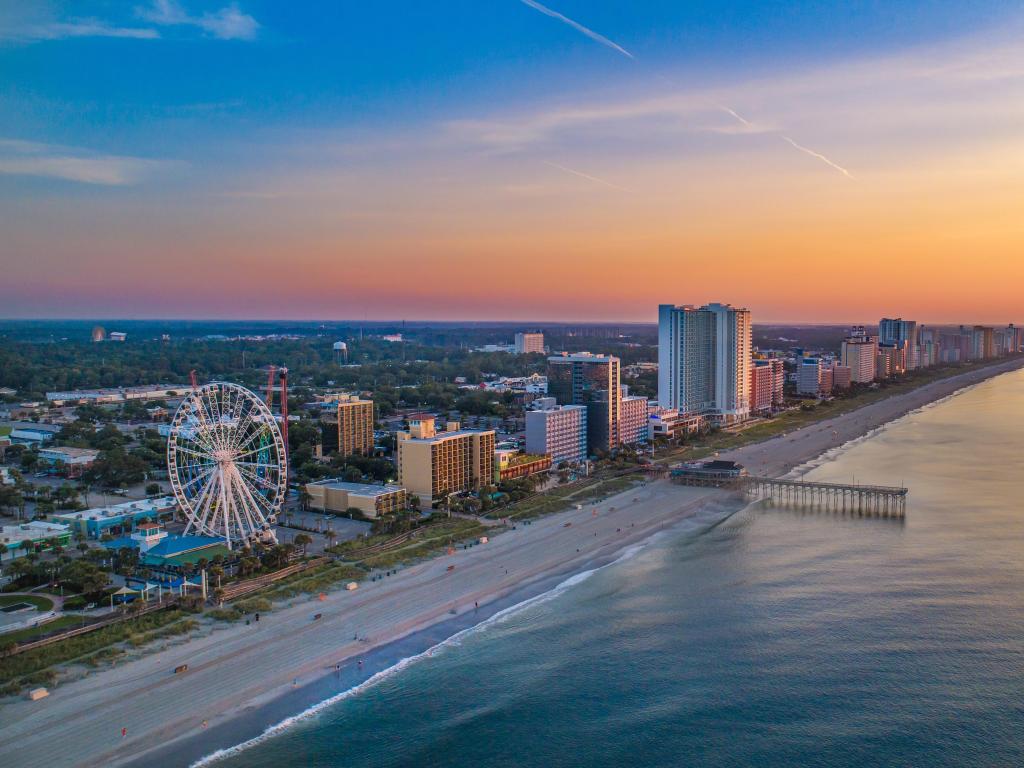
(120, 510)
(358, 489)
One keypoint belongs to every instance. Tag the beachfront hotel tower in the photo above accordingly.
(432, 464)
(704, 359)
(559, 431)
(860, 354)
(593, 381)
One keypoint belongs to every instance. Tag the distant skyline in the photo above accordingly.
(568, 160)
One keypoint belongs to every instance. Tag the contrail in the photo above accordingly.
(577, 26)
(733, 112)
(746, 123)
(820, 156)
(586, 176)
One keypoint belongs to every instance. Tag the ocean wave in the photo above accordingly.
(455, 640)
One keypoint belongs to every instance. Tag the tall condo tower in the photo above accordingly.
(704, 359)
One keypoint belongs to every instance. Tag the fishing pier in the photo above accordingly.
(881, 500)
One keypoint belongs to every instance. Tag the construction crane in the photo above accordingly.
(282, 375)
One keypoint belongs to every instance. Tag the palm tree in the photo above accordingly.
(329, 535)
(303, 540)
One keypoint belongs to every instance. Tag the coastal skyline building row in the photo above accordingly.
(906, 345)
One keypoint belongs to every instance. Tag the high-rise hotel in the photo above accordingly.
(593, 381)
(704, 358)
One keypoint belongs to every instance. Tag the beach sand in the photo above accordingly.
(239, 669)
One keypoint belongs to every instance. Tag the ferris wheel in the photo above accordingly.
(226, 462)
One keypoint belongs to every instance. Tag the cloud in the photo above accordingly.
(228, 23)
(59, 30)
(577, 26)
(26, 158)
(586, 176)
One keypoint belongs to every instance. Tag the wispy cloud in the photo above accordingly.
(58, 30)
(26, 158)
(228, 23)
(577, 26)
(586, 176)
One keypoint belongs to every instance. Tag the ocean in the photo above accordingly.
(778, 637)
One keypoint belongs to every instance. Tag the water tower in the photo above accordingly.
(341, 352)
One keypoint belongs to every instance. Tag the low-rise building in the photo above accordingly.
(19, 540)
(159, 549)
(117, 519)
(72, 461)
(30, 433)
(671, 423)
(372, 501)
(511, 464)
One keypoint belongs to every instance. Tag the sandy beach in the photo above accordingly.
(238, 668)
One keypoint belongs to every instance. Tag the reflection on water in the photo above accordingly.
(779, 638)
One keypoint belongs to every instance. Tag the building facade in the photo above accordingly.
(767, 385)
(901, 333)
(559, 431)
(350, 425)
(859, 354)
(704, 360)
(371, 500)
(527, 343)
(432, 464)
(634, 426)
(808, 376)
(593, 381)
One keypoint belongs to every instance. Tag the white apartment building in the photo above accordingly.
(529, 342)
(560, 432)
(704, 360)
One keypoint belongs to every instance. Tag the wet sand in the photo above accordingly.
(241, 669)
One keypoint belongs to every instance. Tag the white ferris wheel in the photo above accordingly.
(227, 464)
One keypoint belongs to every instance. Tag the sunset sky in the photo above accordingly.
(511, 160)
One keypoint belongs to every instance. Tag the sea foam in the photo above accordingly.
(498, 617)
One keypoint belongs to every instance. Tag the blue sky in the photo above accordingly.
(124, 125)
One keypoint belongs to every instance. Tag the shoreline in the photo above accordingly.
(280, 714)
(242, 679)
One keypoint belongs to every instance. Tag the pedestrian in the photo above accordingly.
(124, 732)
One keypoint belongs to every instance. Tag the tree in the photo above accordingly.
(330, 535)
(29, 459)
(152, 489)
(305, 497)
(10, 497)
(303, 540)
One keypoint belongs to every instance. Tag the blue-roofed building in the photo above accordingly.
(118, 519)
(159, 549)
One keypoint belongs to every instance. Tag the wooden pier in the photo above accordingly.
(882, 500)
